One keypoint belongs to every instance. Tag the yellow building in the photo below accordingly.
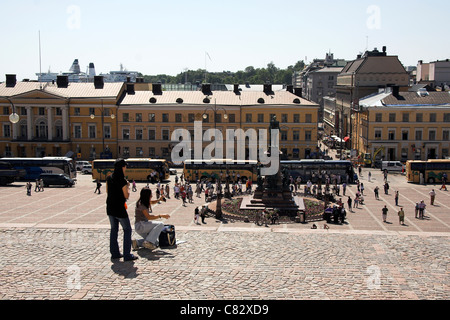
(404, 126)
(147, 119)
(93, 120)
(59, 118)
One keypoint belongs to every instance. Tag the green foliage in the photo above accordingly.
(250, 74)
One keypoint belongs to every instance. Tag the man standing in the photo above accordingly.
(422, 207)
(376, 193)
(432, 196)
(384, 212)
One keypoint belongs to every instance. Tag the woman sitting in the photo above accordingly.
(145, 225)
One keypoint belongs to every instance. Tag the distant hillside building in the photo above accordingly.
(436, 74)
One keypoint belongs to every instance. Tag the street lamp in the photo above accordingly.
(216, 109)
(13, 117)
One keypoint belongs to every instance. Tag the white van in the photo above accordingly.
(80, 164)
(392, 166)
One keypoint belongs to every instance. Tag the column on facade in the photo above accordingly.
(29, 123)
(50, 123)
(14, 130)
(65, 122)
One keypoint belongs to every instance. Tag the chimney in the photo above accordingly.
(206, 88)
(157, 88)
(268, 88)
(298, 92)
(395, 90)
(98, 82)
(130, 88)
(11, 80)
(62, 81)
(290, 88)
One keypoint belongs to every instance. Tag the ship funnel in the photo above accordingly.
(91, 70)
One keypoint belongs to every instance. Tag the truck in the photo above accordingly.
(372, 161)
(8, 174)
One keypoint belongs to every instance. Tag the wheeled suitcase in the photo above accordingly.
(167, 236)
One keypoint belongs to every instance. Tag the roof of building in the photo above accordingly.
(407, 99)
(330, 69)
(73, 90)
(228, 98)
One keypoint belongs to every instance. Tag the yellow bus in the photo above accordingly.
(430, 171)
(214, 169)
(138, 169)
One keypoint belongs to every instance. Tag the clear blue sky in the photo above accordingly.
(156, 37)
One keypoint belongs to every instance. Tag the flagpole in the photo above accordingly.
(40, 64)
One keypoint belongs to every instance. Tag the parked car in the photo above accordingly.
(80, 164)
(392, 166)
(87, 169)
(172, 171)
(56, 179)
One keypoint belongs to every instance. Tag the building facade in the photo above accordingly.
(147, 119)
(436, 73)
(404, 126)
(109, 120)
(363, 77)
(59, 118)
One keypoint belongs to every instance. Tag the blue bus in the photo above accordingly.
(35, 166)
(312, 169)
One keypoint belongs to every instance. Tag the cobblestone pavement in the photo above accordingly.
(55, 246)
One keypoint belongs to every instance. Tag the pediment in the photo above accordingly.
(37, 95)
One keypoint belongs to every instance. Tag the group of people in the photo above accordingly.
(39, 186)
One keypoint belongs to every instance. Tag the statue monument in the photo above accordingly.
(273, 192)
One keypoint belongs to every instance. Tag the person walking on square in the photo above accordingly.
(376, 193)
(98, 187)
(196, 215)
(145, 224)
(37, 186)
(384, 212)
(401, 216)
(167, 191)
(41, 185)
(396, 198)
(422, 207)
(117, 189)
(29, 188)
(432, 196)
(349, 202)
(369, 175)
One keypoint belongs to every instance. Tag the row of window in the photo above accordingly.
(392, 117)
(23, 111)
(405, 135)
(249, 117)
(165, 134)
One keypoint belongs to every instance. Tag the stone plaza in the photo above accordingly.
(55, 245)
